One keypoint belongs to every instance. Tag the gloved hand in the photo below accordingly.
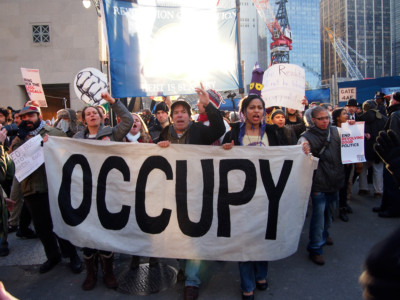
(387, 146)
(23, 131)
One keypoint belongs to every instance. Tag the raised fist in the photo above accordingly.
(91, 87)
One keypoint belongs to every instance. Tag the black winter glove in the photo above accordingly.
(23, 131)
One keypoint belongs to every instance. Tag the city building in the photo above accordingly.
(362, 26)
(395, 23)
(59, 38)
(304, 22)
(253, 41)
(306, 53)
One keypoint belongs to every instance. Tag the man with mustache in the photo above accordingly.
(183, 130)
(35, 192)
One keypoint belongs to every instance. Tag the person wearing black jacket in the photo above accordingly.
(183, 130)
(390, 207)
(161, 111)
(329, 177)
(374, 122)
(252, 130)
(381, 276)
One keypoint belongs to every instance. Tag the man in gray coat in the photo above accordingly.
(324, 141)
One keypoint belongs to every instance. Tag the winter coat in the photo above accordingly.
(198, 133)
(6, 170)
(394, 118)
(275, 137)
(329, 175)
(155, 131)
(374, 122)
(116, 133)
(74, 127)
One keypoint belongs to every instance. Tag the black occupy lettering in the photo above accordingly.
(148, 224)
(188, 227)
(225, 199)
(112, 221)
(274, 193)
(70, 215)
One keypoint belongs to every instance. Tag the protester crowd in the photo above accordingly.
(317, 129)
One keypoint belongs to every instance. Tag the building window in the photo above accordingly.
(41, 34)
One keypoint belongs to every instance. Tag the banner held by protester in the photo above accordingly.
(184, 201)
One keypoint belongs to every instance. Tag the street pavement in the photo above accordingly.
(292, 278)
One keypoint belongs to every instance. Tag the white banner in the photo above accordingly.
(33, 86)
(352, 139)
(184, 201)
(28, 158)
(345, 94)
(284, 85)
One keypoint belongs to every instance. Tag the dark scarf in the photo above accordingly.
(317, 139)
(37, 129)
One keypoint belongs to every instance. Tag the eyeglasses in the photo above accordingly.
(322, 118)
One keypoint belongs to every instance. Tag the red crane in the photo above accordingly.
(279, 28)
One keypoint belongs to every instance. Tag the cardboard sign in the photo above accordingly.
(28, 158)
(184, 201)
(345, 94)
(33, 86)
(352, 140)
(284, 85)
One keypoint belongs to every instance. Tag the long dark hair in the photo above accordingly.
(336, 114)
(244, 103)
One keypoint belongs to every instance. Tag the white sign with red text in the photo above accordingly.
(33, 86)
(352, 140)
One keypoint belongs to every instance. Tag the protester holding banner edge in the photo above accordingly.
(95, 129)
(324, 141)
(35, 192)
(183, 130)
(252, 130)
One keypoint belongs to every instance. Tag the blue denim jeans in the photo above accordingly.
(323, 207)
(192, 269)
(250, 272)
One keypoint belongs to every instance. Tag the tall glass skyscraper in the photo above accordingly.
(253, 40)
(304, 22)
(365, 27)
(395, 23)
